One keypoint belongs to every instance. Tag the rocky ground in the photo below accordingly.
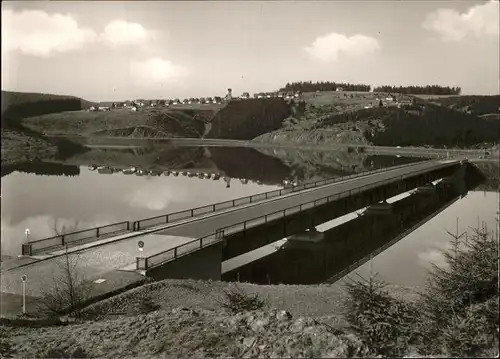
(186, 318)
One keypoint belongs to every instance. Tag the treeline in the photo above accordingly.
(309, 86)
(420, 90)
(42, 107)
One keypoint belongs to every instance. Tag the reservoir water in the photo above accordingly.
(45, 197)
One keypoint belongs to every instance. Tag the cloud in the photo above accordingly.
(454, 26)
(158, 196)
(36, 33)
(120, 32)
(330, 47)
(157, 70)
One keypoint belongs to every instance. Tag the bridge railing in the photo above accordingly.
(145, 263)
(212, 208)
(78, 237)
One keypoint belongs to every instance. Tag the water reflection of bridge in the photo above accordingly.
(328, 255)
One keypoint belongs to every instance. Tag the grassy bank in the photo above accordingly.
(146, 122)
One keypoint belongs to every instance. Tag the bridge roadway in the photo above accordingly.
(119, 253)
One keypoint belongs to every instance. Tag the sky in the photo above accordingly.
(112, 51)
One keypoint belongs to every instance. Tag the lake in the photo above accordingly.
(41, 196)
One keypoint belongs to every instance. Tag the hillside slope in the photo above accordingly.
(247, 119)
(476, 105)
(422, 124)
(147, 122)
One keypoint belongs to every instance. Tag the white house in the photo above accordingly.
(133, 109)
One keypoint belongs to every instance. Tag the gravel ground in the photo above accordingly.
(319, 301)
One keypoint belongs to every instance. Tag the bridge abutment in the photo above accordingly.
(205, 264)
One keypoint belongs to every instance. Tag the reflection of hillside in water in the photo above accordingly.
(147, 157)
(316, 165)
(249, 163)
(42, 168)
(265, 166)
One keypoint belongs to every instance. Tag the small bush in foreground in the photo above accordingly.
(384, 323)
(457, 314)
(68, 291)
(238, 301)
(460, 302)
(146, 305)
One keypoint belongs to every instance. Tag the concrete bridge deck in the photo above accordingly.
(119, 253)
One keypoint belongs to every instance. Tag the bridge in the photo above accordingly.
(194, 243)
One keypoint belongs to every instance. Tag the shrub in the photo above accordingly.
(457, 312)
(146, 305)
(460, 302)
(68, 292)
(238, 301)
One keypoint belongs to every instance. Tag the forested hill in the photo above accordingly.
(17, 105)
